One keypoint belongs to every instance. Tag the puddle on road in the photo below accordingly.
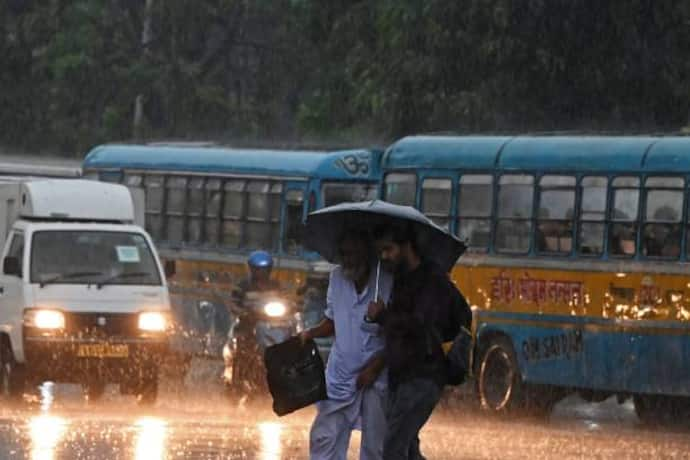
(200, 424)
(151, 439)
(46, 432)
(57, 423)
(271, 445)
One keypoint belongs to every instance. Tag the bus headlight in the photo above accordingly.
(152, 321)
(275, 309)
(44, 319)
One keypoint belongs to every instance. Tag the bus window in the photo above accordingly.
(154, 206)
(474, 210)
(334, 193)
(623, 231)
(135, 185)
(110, 176)
(294, 203)
(213, 198)
(274, 201)
(234, 203)
(663, 214)
(233, 212)
(259, 231)
(400, 188)
(555, 215)
(687, 231)
(132, 180)
(311, 206)
(195, 208)
(436, 200)
(257, 200)
(515, 196)
(175, 206)
(592, 215)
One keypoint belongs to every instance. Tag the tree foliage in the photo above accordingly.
(357, 71)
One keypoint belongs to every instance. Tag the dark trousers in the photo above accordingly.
(409, 407)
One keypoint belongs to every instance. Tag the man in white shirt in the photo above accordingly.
(355, 376)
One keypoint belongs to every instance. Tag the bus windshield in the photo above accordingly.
(340, 192)
(92, 257)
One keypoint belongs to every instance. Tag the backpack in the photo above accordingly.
(458, 357)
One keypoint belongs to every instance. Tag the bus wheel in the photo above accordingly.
(11, 375)
(499, 384)
(656, 410)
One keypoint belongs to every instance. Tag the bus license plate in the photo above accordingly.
(103, 350)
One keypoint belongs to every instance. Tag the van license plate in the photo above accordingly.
(103, 350)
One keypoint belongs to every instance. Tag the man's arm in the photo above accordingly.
(326, 328)
(368, 375)
(460, 312)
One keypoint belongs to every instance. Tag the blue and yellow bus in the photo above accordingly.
(208, 207)
(577, 266)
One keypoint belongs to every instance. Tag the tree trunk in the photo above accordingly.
(138, 123)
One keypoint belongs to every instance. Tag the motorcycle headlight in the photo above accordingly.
(152, 321)
(44, 319)
(299, 323)
(275, 309)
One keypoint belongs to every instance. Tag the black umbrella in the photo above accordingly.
(325, 226)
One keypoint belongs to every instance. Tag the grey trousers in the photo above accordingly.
(329, 437)
(409, 407)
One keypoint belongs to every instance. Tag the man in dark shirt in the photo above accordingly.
(426, 310)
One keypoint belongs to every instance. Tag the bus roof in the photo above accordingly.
(345, 164)
(669, 154)
(442, 152)
(542, 153)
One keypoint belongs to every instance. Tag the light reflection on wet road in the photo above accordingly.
(207, 427)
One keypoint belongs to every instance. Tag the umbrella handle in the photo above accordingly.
(378, 276)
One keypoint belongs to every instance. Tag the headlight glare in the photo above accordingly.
(152, 321)
(45, 319)
(275, 309)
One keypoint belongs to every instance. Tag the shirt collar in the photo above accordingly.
(368, 288)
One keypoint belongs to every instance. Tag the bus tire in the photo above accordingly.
(12, 375)
(659, 410)
(499, 383)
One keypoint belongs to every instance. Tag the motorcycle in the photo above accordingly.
(263, 319)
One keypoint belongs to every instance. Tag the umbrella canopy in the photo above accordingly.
(325, 226)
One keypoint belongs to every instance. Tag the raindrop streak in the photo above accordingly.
(46, 432)
(47, 390)
(271, 447)
(151, 438)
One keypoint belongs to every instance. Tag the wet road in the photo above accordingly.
(200, 424)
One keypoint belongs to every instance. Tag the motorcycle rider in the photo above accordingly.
(260, 265)
(239, 355)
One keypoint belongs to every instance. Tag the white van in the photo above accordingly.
(83, 296)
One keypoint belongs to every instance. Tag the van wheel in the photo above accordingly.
(11, 375)
(147, 391)
(94, 390)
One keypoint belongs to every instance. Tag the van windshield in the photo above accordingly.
(92, 257)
